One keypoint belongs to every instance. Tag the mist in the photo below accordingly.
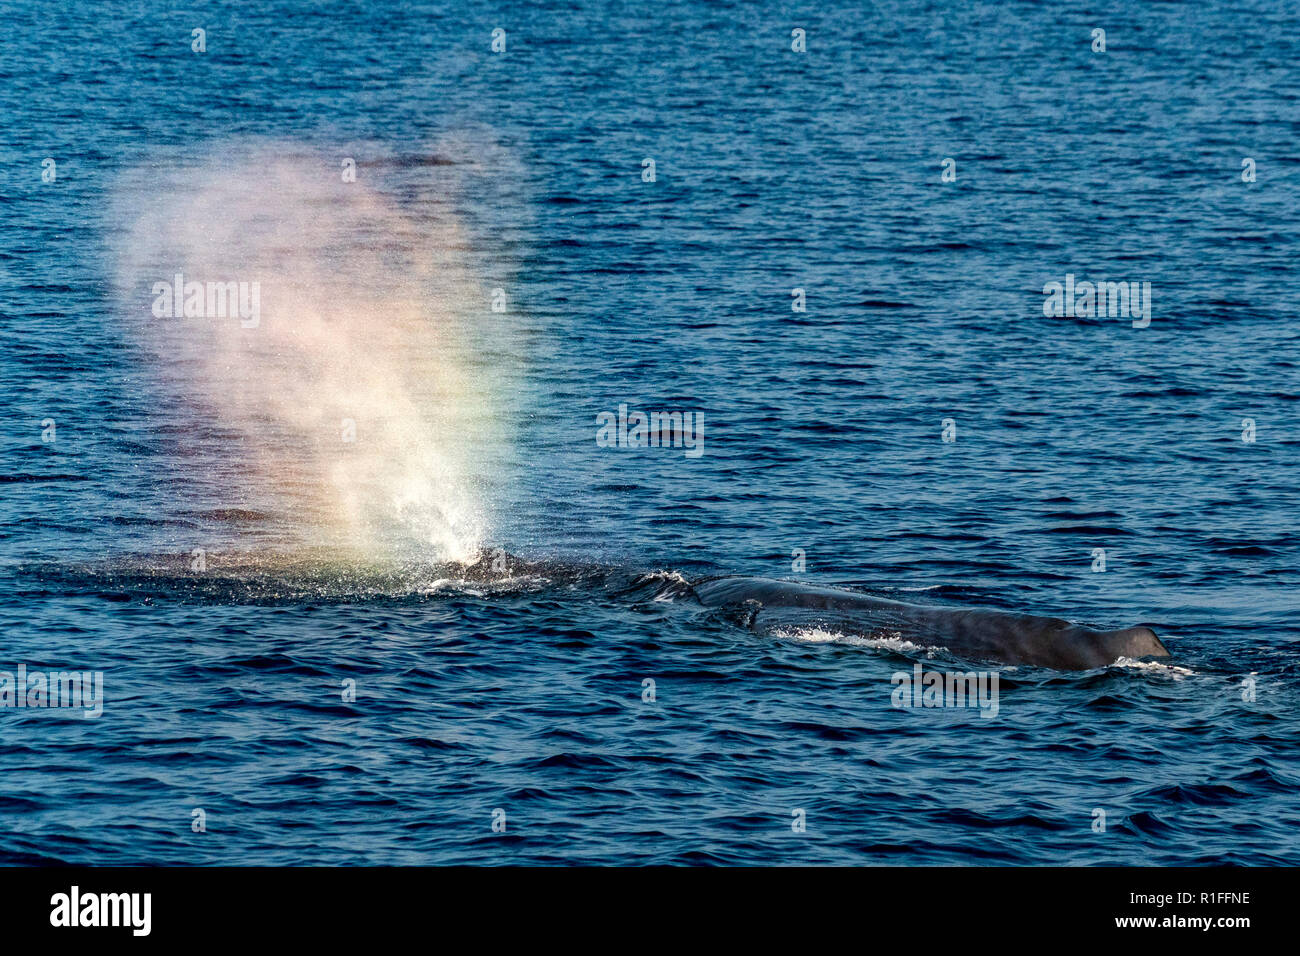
(343, 357)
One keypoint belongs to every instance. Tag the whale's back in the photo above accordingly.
(771, 605)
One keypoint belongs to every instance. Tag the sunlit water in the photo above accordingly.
(522, 689)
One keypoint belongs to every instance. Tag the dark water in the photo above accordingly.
(775, 170)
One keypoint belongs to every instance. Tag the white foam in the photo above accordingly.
(892, 642)
(1155, 667)
(674, 576)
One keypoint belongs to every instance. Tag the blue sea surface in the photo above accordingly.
(507, 719)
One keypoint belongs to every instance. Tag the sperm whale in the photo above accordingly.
(767, 605)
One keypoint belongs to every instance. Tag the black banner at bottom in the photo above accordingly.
(333, 906)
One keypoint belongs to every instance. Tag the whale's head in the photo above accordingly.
(1134, 642)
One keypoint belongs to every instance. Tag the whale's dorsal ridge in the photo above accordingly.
(975, 633)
